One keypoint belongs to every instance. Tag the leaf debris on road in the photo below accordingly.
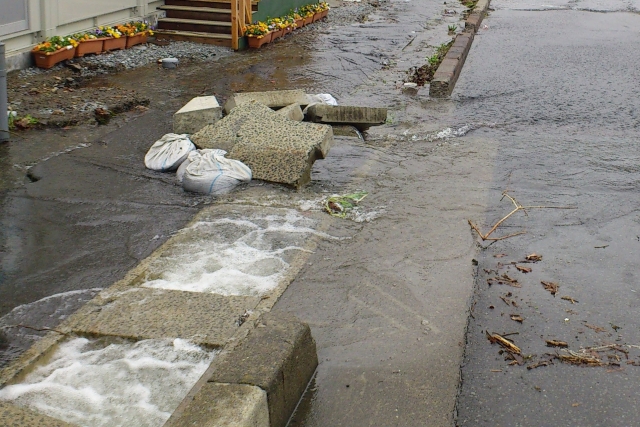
(554, 343)
(523, 269)
(552, 287)
(571, 300)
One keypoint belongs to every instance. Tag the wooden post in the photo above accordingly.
(234, 24)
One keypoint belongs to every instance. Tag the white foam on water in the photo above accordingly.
(94, 384)
(244, 256)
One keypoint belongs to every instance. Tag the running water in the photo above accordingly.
(245, 256)
(94, 383)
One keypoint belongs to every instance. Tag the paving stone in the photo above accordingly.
(273, 99)
(228, 405)
(144, 313)
(283, 367)
(360, 117)
(196, 114)
(15, 416)
(275, 148)
(292, 112)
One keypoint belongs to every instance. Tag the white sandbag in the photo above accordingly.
(321, 98)
(183, 167)
(167, 153)
(209, 172)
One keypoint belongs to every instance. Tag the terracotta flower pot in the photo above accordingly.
(288, 30)
(112, 43)
(49, 59)
(256, 42)
(136, 39)
(324, 13)
(317, 16)
(299, 23)
(89, 46)
(276, 34)
(308, 20)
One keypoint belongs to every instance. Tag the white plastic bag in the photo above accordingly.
(167, 153)
(209, 172)
(321, 98)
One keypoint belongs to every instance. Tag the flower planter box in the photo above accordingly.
(299, 23)
(256, 42)
(317, 16)
(324, 14)
(276, 34)
(112, 43)
(308, 20)
(136, 39)
(288, 30)
(49, 59)
(89, 46)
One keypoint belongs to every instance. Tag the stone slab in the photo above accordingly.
(196, 114)
(143, 313)
(279, 356)
(275, 148)
(360, 117)
(15, 416)
(272, 99)
(446, 76)
(225, 405)
(292, 112)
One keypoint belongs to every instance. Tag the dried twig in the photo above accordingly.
(518, 207)
(552, 287)
(505, 343)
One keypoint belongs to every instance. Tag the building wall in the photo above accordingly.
(25, 23)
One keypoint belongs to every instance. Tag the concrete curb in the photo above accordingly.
(446, 76)
(258, 382)
(475, 18)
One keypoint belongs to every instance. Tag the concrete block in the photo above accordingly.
(292, 112)
(272, 99)
(196, 114)
(275, 148)
(225, 405)
(360, 117)
(279, 356)
(15, 416)
(144, 313)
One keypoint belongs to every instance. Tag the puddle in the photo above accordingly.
(227, 256)
(95, 383)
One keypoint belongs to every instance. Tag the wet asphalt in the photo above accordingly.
(559, 83)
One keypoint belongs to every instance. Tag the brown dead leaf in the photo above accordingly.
(551, 287)
(534, 257)
(515, 304)
(554, 343)
(575, 405)
(523, 269)
(506, 300)
(500, 255)
(571, 311)
(516, 317)
(502, 341)
(504, 280)
(539, 364)
(595, 328)
(571, 300)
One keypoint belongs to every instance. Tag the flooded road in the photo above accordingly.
(564, 97)
(544, 109)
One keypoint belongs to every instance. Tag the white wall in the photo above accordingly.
(46, 18)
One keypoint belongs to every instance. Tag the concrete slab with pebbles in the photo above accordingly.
(275, 148)
(15, 416)
(144, 313)
(273, 99)
(228, 405)
(196, 114)
(292, 112)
